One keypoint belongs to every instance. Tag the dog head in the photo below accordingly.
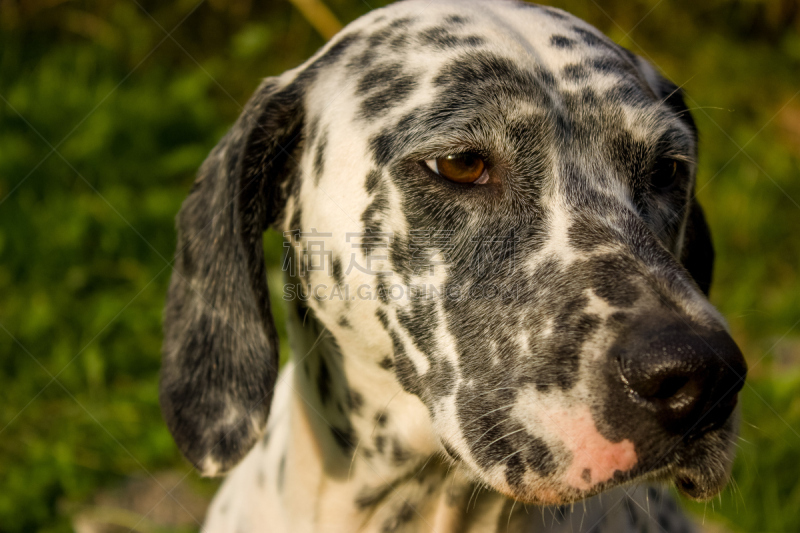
(517, 192)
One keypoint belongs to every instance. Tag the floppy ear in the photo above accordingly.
(697, 253)
(220, 352)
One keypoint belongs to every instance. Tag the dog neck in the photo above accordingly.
(362, 447)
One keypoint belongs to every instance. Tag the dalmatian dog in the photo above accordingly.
(508, 328)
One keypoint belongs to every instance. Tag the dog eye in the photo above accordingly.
(460, 168)
(665, 173)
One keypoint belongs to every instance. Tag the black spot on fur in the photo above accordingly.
(420, 323)
(343, 322)
(383, 319)
(324, 381)
(380, 443)
(475, 73)
(515, 472)
(382, 288)
(441, 38)
(337, 271)
(295, 224)
(472, 41)
(589, 38)
(544, 9)
(403, 22)
(586, 234)
(546, 77)
(281, 472)
(330, 57)
(404, 368)
(391, 96)
(553, 13)
(378, 78)
(372, 218)
(440, 378)
(381, 418)
(319, 159)
(363, 60)
(628, 93)
(399, 454)
(611, 278)
(313, 130)
(456, 20)
(379, 37)
(537, 454)
(575, 72)
(373, 178)
(404, 515)
(399, 42)
(368, 497)
(386, 363)
(560, 41)
(345, 439)
(355, 402)
(386, 144)
(387, 86)
(615, 66)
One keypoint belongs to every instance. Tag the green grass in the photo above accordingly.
(86, 232)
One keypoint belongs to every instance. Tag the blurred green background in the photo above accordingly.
(108, 107)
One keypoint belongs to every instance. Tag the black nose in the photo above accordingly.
(687, 377)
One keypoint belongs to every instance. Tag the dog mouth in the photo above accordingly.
(693, 484)
(566, 450)
(699, 470)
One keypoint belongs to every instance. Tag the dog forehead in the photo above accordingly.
(501, 58)
(425, 33)
(509, 23)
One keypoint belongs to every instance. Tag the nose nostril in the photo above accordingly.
(670, 387)
(675, 395)
(687, 380)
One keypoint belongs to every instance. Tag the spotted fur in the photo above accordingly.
(468, 357)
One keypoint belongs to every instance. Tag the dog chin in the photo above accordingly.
(554, 494)
(704, 469)
(699, 484)
(557, 493)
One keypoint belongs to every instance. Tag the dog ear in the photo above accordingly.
(670, 94)
(697, 253)
(220, 352)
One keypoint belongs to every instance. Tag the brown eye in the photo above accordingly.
(460, 168)
(665, 173)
